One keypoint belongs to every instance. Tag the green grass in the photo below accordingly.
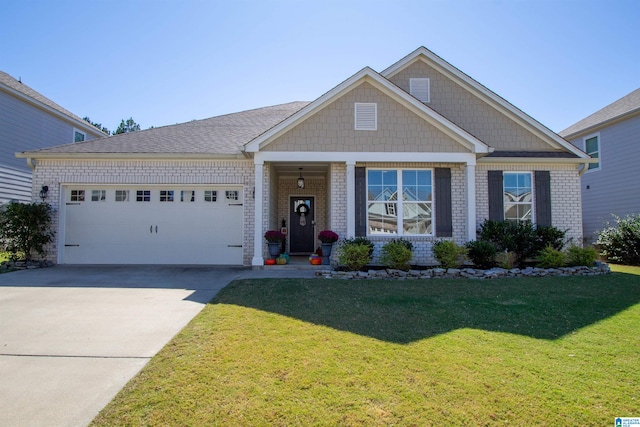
(544, 351)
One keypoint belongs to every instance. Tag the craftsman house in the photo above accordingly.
(419, 151)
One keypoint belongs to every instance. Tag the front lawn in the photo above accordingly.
(539, 351)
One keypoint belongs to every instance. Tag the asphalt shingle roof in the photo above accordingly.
(625, 105)
(18, 86)
(222, 135)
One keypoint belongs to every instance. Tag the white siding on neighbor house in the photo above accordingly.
(615, 188)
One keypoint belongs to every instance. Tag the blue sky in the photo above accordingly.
(164, 62)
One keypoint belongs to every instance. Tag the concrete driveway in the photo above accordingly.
(72, 336)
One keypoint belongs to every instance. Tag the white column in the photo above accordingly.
(471, 201)
(257, 221)
(351, 198)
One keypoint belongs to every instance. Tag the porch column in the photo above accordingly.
(471, 201)
(351, 198)
(257, 218)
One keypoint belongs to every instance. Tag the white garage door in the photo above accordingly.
(152, 225)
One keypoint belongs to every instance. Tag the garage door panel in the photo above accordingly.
(154, 231)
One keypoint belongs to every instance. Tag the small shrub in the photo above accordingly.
(25, 229)
(360, 241)
(620, 243)
(448, 253)
(506, 260)
(396, 254)
(353, 256)
(482, 253)
(521, 238)
(581, 256)
(549, 236)
(551, 257)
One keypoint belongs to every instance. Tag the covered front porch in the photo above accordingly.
(296, 198)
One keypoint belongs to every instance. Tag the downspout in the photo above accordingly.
(585, 167)
(31, 163)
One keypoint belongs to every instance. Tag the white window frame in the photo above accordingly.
(167, 196)
(210, 196)
(77, 131)
(419, 84)
(533, 192)
(98, 195)
(599, 152)
(143, 196)
(398, 202)
(361, 111)
(121, 196)
(77, 195)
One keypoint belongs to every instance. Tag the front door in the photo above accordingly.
(302, 225)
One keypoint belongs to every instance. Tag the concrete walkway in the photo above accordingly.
(72, 336)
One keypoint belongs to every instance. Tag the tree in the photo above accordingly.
(25, 228)
(98, 125)
(127, 126)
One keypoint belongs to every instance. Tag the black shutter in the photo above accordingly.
(444, 221)
(496, 196)
(361, 202)
(543, 197)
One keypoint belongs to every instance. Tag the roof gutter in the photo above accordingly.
(33, 155)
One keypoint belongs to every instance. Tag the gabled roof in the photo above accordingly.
(221, 136)
(370, 76)
(486, 95)
(17, 88)
(624, 107)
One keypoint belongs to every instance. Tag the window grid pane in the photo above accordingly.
(518, 197)
(410, 214)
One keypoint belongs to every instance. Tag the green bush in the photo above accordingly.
(620, 243)
(354, 255)
(448, 253)
(397, 254)
(359, 241)
(521, 238)
(506, 260)
(482, 253)
(551, 257)
(24, 229)
(581, 256)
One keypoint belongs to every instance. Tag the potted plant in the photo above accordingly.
(327, 238)
(274, 241)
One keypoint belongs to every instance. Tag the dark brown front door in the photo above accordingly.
(302, 225)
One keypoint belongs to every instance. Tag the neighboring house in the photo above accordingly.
(612, 185)
(205, 192)
(29, 121)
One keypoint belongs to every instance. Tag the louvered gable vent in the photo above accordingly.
(366, 116)
(419, 87)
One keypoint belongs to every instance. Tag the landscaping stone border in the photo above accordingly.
(471, 273)
(24, 265)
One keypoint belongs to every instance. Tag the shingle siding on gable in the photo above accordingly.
(332, 129)
(615, 188)
(469, 112)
